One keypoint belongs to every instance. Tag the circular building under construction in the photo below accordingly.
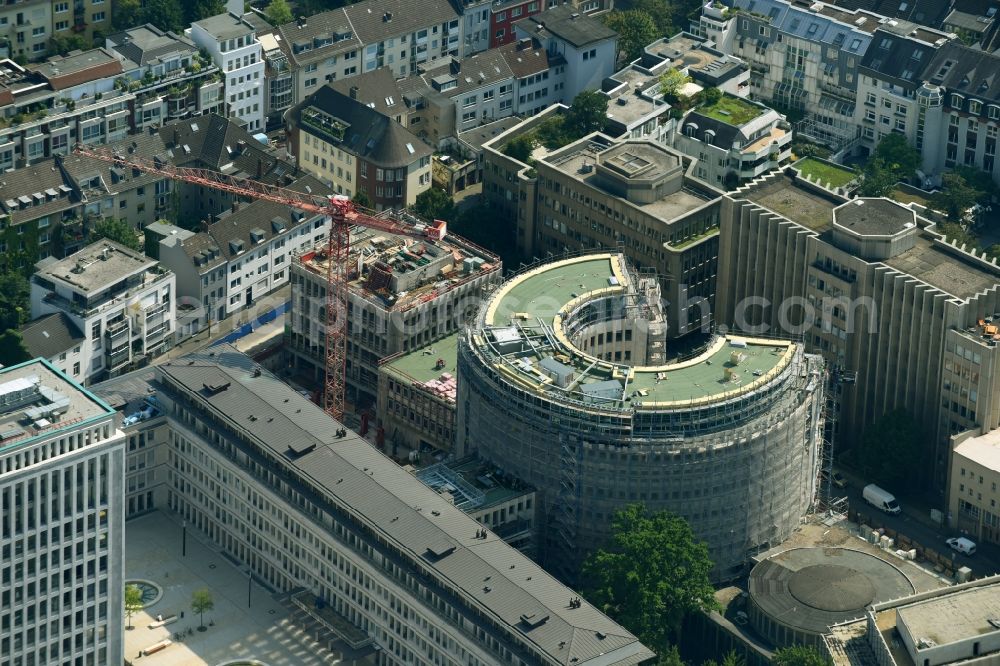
(563, 383)
(797, 594)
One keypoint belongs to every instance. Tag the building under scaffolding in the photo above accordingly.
(563, 383)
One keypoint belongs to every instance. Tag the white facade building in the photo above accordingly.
(232, 43)
(62, 524)
(121, 300)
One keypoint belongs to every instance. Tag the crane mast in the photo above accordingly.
(343, 215)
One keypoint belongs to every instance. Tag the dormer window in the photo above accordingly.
(957, 101)
(975, 106)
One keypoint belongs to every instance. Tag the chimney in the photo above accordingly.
(236, 206)
(386, 17)
(301, 21)
(260, 168)
(524, 44)
(235, 7)
(354, 92)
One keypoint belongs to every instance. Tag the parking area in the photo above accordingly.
(248, 624)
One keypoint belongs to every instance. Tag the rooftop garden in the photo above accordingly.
(732, 110)
(825, 172)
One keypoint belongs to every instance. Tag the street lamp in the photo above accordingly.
(184, 539)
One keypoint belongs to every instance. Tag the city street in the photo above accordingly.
(918, 526)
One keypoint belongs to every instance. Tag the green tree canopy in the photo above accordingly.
(800, 655)
(133, 602)
(955, 197)
(362, 199)
(898, 155)
(636, 29)
(877, 179)
(731, 659)
(196, 10)
(165, 14)
(671, 82)
(62, 45)
(126, 14)
(15, 303)
(12, 349)
(201, 603)
(435, 204)
(891, 448)
(710, 96)
(520, 148)
(278, 12)
(652, 575)
(587, 114)
(119, 231)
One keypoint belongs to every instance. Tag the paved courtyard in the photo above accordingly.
(262, 634)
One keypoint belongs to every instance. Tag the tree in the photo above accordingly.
(165, 14)
(587, 114)
(278, 12)
(15, 304)
(551, 132)
(435, 204)
(520, 148)
(62, 45)
(196, 10)
(731, 659)
(671, 82)
(635, 29)
(710, 96)
(119, 231)
(12, 349)
(955, 197)
(654, 573)
(891, 448)
(126, 14)
(898, 156)
(133, 602)
(201, 603)
(800, 655)
(877, 179)
(362, 199)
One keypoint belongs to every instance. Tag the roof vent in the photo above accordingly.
(213, 389)
(533, 621)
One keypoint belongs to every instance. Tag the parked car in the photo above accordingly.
(962, 545)
(839, 479)
(881, 499)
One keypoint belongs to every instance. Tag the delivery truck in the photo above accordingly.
(881, 499)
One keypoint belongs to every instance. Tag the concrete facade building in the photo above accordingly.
(972, 488)
(122, 301)
(232, 44)
(851, 278)
(242, 255)
(734, 140)
(404, 294)
(587, 46)
(354, 148)
(28, 26)
(62, 528)
(338, 522)
(639, 195)
(563, 381)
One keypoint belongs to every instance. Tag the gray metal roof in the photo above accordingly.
(376, 20)
(487, 574)
(50, 335)
(568, 24)
(225, 26)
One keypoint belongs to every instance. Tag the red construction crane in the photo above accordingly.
(343, 215)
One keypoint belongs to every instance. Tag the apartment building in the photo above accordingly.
(871, 286)
(699, 58)
(734, 140)
(597, 192)
(333, 512)
(232, 44)
(55, 338)
(475, 26)
(404, 295)
(241, 255)
(41, 215)
(972, 490)
(123, 302)
(308, 53)
(587, 46)
(62, 527)
(804, 58)
(354, 148)
(91, 19)
(378, 90)
(26, 27)
(167, 72)
(505, 13)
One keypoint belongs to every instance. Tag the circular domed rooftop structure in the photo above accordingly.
(566, 384)
(797, 594)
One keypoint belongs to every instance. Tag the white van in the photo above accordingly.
(881, 499)
(962, 545)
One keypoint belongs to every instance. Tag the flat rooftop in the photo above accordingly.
(471, 483)
(544, 293)
(423, 365)
(944, 270)
(686, 51)
(968, 614)
(984, 449)
(657, 161)
(36, 400)
(874, 217)
(732, 110)
(96, 267)
(398, 272)
(225, 26)
(783, 195)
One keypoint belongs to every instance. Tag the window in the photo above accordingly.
(97, 17)
(501, 16)
(515, 12)
(589, 55)
(975, 106)
(993, 112)
(489, 94)
(499, 34)
(61, 7)
(870, 99)
(62, 25)
(469, 101)
(76, 368)
(310, 82)
(35, 32)
(468, 116)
